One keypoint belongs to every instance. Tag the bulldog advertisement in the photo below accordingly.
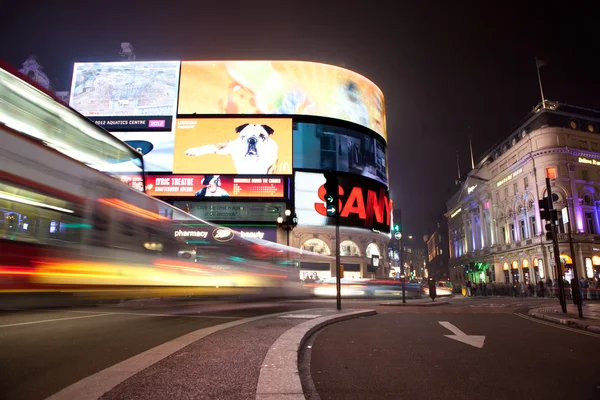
(249, 146)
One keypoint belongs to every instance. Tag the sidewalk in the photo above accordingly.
(252, 358)
(590, 321)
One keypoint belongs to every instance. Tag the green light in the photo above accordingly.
(82, 226)
(237, 259)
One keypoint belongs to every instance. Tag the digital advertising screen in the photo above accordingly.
(330, 148)
(247, 146)
(281, 87)
(132, 95)
(364, 203)
(156, 147)
(214, 186)
(256, 211)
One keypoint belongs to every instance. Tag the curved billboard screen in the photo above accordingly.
(363, 203)
(329, 148)
(280, 87)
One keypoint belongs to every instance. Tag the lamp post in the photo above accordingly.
(287, 222)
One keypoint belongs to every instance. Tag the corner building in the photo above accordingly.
(495, 232)
(237, 143)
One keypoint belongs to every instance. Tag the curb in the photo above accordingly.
(279, 376)
(574, 323)
(96, 385)
(432, 304)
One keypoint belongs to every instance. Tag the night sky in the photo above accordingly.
(447, 72)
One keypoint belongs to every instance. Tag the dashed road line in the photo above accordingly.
(53, 320)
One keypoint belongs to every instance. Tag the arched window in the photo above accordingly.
(349, 249)
(316, 246)
(372, 250)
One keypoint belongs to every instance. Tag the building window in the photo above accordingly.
(526, 182)
(589, 222)
(533, 226)
(506, 193)
(522, 226)
(513, 237)
(504, 234)
(516, 187)
(349, 249)
(584, 174)
(594, 146)
(583, 144)
(498, 197)
(551, 172)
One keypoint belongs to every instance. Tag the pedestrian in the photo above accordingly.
(541, 289)
(484, 287)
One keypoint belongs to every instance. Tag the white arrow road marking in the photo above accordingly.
(473, 340)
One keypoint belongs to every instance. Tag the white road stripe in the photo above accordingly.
(158, 315)
(52, 320)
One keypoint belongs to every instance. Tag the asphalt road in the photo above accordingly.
(403, 353)
(43, 351)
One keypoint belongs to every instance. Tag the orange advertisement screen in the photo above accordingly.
(237, 146)
(280, 88)
(214, 186)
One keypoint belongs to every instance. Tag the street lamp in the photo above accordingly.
(287, 223)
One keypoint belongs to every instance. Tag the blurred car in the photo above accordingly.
(442, 288)
(366, 287)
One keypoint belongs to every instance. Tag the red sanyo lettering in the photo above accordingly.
(379, 207)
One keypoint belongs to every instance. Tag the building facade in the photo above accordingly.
(245, 144)
(437, 253)
(495, 232)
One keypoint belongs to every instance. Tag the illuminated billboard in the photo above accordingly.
(330, 148)
(280, 87)
(204, 234)
(214, 186)
(256, 211)
(131, 95)
(364, 203)
(156, 147)
(248, 146)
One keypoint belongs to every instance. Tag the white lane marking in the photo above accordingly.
(157, 315)
(555, 325)
(473, 340)
(96, 385)
(52, 320)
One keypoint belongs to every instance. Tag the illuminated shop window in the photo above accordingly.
(316, 246)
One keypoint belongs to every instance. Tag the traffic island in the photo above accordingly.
(556, 316)
(419, 303)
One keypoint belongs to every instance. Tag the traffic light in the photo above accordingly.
(331, 194)
(543, 207)
(396, 227)
(548, 214)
